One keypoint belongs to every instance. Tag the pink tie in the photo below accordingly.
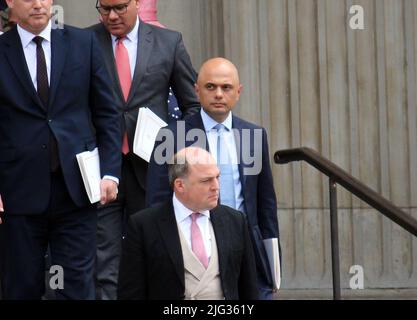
(125, 78)
(197, 243)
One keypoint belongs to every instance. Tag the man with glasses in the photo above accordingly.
(144, 62)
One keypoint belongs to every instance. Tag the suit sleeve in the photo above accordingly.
(105, 115)
(248, 289)
(132, 284)
(158, 189)
(267, 203)
(183, 78)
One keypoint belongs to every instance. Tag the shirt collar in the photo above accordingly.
(209, 123)
(182, 212)
(26, 37)
(132, 35)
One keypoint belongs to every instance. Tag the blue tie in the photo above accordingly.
(227, 186)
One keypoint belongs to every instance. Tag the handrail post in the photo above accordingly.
(334, 235)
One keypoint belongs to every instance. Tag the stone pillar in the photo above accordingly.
(313, 81)
(79, 13)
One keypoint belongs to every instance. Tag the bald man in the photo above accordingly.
(189, 247)
(241, 150)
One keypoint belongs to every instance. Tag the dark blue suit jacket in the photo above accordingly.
(258, 189)
(81, 114)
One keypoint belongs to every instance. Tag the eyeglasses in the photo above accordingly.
(120, 9)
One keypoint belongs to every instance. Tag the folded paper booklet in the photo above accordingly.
(147, 128)
(89, 163)
(272, 250)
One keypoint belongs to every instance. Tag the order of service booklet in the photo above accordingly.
(147, 128)
(89, 163)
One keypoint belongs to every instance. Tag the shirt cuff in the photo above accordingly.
(112, 178)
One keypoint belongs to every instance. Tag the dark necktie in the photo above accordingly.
(41, 72)
(43, 93)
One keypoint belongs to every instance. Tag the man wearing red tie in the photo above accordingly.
(189, 247)
(144, 62)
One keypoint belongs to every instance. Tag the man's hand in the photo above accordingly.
(108, 191)
(1, 209)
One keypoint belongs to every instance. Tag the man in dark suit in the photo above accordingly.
(188, 247)
(155, 59)
(246, 180)
(55, 102)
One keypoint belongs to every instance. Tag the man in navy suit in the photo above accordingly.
(55, 102)
(246, 181)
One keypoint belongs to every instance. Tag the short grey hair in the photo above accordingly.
(177, 168)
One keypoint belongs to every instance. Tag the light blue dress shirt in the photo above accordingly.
(212, 134)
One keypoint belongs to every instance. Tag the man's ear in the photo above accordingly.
(10, 3)
(179, 185)
(239, 91)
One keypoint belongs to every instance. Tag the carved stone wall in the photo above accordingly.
(311, 80)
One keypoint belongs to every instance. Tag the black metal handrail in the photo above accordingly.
(339, 176)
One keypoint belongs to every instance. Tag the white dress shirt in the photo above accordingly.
(183, 217)
(29, 49)
(212, 134)
(131, 44)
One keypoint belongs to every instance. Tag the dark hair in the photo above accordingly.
(3, 4)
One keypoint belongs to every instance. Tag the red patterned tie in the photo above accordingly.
(125, 78)
(197, 243)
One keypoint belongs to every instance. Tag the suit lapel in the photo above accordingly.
(221, 234)
(106, 43)
(17, 60)
(145, 43)
(196, 122)
(59, 50)
(236, 124)
(169, 233)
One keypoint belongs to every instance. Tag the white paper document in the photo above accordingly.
(272, 250)
(89, 163)
(147, 128)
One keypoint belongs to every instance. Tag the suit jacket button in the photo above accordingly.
(44, 146)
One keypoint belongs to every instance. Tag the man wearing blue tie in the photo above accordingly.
(241, 150)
